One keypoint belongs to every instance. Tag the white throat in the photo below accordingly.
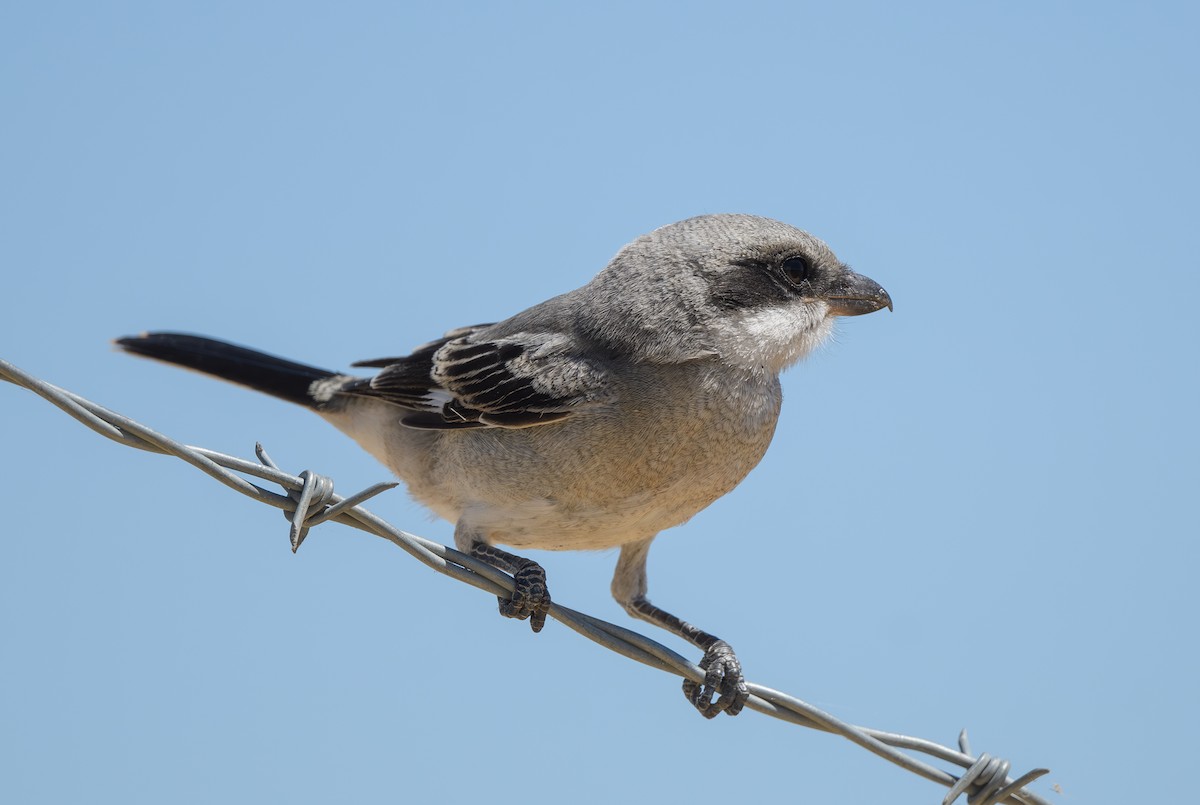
(772, 338)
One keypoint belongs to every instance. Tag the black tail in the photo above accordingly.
(257, 370)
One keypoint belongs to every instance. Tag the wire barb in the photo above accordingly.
(309, 500)
(986, 782)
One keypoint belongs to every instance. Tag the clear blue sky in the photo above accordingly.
(978, 511)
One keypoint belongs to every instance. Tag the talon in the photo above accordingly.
(722, 679)
(530, 599)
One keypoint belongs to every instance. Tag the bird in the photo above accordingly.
(593, 420)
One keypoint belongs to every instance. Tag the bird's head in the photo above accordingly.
(756, 292)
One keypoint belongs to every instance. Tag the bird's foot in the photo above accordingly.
(722, 679)
(531, 598)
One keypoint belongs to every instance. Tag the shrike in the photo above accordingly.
(595, 419)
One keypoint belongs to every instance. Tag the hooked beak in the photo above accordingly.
(853, 295)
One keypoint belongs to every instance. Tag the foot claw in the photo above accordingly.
(722, 679)
(531, 598)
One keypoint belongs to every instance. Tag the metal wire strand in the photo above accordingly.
(309, 500)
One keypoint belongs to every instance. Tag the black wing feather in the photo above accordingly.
(515, 381)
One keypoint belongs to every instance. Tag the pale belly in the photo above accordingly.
(591, 482)
(553, 525)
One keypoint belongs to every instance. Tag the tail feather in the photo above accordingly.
(247, 367)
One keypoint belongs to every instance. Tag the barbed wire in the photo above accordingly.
(309, 500)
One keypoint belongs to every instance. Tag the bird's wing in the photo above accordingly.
(466, 380)
(430, 348)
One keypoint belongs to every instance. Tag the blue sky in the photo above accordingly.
(978, 511)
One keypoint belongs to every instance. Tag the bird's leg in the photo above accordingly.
(723, 673)
(531, 598)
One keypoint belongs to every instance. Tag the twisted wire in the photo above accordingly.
(309, 500)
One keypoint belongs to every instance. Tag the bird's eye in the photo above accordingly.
(797, 269)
